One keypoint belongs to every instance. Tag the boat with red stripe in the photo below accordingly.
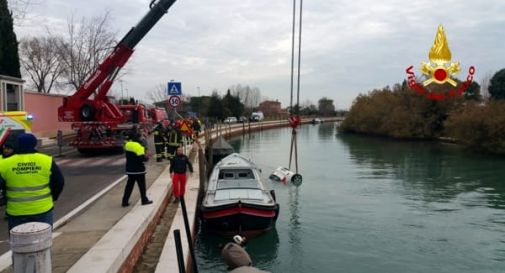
(236, 201)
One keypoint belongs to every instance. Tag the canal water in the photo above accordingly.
(375, 205)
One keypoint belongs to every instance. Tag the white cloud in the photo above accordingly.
(349, 46)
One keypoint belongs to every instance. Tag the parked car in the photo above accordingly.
(242, 119)
(230, 120)
(257, 116)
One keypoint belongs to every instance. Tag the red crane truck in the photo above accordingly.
(99, 122)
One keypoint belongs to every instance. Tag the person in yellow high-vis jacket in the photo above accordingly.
(31, 182)
(135, 169)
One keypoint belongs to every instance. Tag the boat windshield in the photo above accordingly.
(237, 178)
(234, 174)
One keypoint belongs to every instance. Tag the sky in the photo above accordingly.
(348, 46)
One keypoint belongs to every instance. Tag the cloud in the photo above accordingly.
(348, 47)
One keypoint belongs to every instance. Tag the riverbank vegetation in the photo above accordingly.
(401, 113)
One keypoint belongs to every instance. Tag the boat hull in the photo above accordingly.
(248, 220)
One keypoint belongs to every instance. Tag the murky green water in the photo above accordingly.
(376, 205)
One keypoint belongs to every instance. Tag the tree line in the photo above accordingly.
(50, 60)
(472, 120)
(239, 100)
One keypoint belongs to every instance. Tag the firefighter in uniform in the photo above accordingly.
(31, 182)
(166, 135)
(159, 142)
(174, 141)
(196, 126)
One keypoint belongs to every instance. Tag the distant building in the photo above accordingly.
(270, 108)
(11, 94)
(44, 109)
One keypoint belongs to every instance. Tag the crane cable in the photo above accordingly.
(294, 119)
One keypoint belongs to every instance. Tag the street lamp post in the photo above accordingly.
(122, 97)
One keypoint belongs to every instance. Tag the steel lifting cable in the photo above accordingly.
(294, 119)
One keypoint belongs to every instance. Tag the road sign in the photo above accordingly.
(174, 88)
(174, 101)
(185, 127)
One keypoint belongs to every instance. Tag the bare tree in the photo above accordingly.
(19, 8)
(250, 97)
(484, 86)
(40, 60)
(159, 93)
(306, 103)
(87, 44)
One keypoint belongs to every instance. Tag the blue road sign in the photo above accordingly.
(174, 89)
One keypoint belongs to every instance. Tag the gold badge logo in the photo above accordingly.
(439, 70)
(440, 56)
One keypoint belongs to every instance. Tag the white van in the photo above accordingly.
(257, 116)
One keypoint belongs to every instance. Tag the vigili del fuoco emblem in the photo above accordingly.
(439, 70)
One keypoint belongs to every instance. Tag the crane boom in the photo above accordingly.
(80, 107)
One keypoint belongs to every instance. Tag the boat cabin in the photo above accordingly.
(237, 184)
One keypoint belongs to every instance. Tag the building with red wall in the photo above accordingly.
(44, 109)
(270, 108)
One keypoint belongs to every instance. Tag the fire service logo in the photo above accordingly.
(440, 70)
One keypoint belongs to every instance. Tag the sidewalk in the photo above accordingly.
(80, 234)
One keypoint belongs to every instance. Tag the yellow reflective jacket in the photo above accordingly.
(26, 179)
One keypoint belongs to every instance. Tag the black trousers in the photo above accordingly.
(171, 151)
(141, 181)
(160, 151)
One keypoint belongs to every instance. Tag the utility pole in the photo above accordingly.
(122, 97)
(199, 102)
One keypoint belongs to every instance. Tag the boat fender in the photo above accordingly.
(235, 256)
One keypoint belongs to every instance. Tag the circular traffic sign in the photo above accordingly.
(174, 101)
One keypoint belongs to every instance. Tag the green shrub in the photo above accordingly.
(478, 126)
(399, 113)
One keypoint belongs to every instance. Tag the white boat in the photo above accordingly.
(236, 201)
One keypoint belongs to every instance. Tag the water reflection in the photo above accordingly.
(431, 171)
(326, 130)
(294, 229)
